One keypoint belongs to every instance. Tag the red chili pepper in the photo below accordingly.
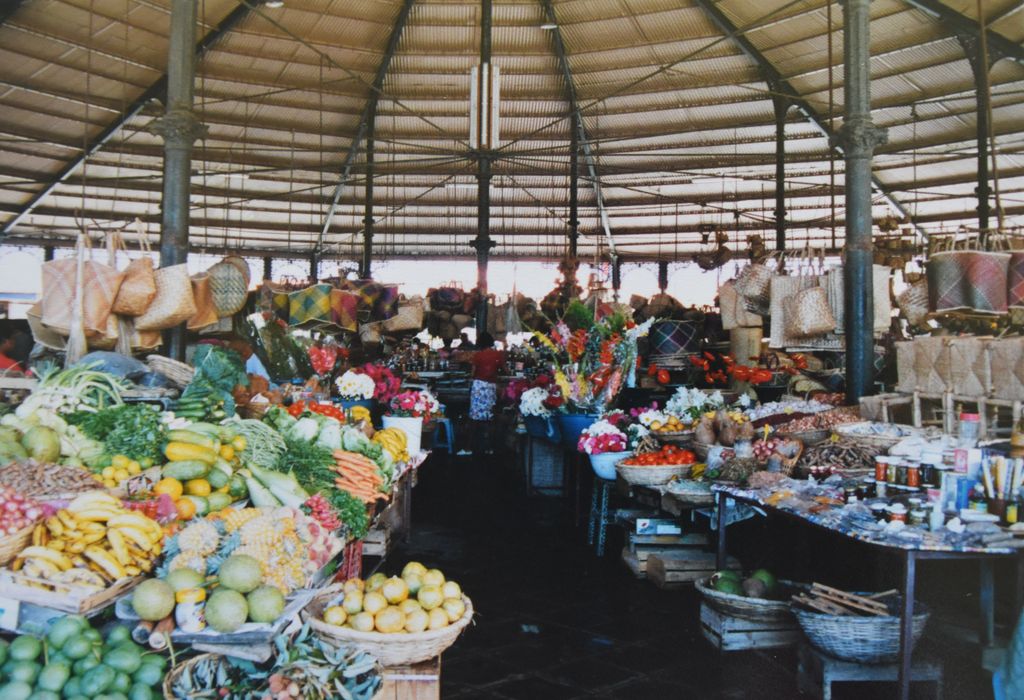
(709, 356)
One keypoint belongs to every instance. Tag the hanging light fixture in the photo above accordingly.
(484, 102)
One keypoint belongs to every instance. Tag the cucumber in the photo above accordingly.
(217, 478)
(185, 470)
(192, 438)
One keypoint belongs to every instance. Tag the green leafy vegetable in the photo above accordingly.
(218, 372)
(132, 430)
(264, 446)
(351, 511)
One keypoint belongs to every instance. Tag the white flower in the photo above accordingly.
(649, 417)
(531, 403)
(354, 386)
(744, 401)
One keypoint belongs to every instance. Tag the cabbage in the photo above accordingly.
(42, 443)
(304, 429)
(330, 435)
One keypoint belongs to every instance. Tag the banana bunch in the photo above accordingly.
(394, 441)
(360, 413)
(93, 542)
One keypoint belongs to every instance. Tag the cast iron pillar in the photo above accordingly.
(858, 138)
(367, 261)
(574, 193)
(483, 243)
(179, 128)
(781, 105)
(48, 251)
(616, 275)
(268, 268)
(980, 66)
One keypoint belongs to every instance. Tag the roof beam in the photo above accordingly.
(581, 130)
(154, 91)
(961, 24)
(369, 110)
(772, 75)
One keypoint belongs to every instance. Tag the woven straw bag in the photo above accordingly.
(139, 285)
(913, 302)
(310, 306)
(834, 284)
(985, 280)
(754, 284)
(807, 313)
(43, 334)
(206, 309)
(409, 316)
(733, 310)
(969, 366)
(386, 304)
(173, 304)
(1006, 358)
(100, 285)
(906, 377)
(229, 286)
(345, 310)
(882, 298)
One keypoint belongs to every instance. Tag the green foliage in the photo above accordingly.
(577, 316)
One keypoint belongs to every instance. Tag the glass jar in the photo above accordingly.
(916, 517)
(912, 472)
(892, 470)
(968, 429)
(897, 513)
(881, 468)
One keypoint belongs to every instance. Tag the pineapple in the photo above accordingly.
(189, 560)
(237, 518)
(201, 537)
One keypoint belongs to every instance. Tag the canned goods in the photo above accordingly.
(913, 476)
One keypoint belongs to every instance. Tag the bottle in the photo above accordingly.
(189, 613)
(977, 499)
(968, 429)
(937, 518)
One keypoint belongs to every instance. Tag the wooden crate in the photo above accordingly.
(63, 596)
(633, 562)
(674, 570)
(727, 633)
(420, 681)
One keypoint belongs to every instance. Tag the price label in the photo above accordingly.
(9, 612)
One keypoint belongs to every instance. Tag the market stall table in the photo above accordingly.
(910, 554)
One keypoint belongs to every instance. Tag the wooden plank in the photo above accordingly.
(634, 563)
(672, 571)
(420, 681)
(62, 596)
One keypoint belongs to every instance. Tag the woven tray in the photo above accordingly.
(11, 545)
(870, 639)
(390, 649)
(759, 609)
(653, 475)
(681, 438)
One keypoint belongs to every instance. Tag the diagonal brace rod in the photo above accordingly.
(958, 23)
(802, 105)
(153, 92)
(369, 112)
(581, 130)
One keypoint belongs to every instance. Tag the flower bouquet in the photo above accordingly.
(386, 384)
(408, 411)
(355, 386)
(608, 440)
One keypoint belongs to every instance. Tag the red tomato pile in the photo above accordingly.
(667, 455)
(324, 409)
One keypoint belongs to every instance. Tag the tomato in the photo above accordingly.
(652, 369)
(663, 376)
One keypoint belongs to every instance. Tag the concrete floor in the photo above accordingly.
(554, 622)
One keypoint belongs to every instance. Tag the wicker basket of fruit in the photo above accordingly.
(408, 631)
(656, 468)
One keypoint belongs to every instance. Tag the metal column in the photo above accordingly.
(781, 105)
(858, 138)
(48, 251)
(980, 65)
(268, 267)
(574, 193)
(367, 261)
(483, 243)
(179, 128)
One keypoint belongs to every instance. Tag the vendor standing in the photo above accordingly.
(486, 362)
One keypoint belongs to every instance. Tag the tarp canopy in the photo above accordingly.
(676, 110)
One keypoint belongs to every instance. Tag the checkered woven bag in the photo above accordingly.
(1015, 280)
(985, 275)
(311, 305)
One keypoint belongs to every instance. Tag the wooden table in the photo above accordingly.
(910, 557)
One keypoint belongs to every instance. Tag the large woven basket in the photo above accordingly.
(390, 649)
(851, 432)
(871, 639)
(683, 437)
(701, 449)
(655, 475)
(229, 287)
(760, 609)
(179, 373)
(11, 545)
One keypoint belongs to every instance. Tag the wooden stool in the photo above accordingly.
(817, 672)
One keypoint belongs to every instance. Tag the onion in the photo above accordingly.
(11, 507)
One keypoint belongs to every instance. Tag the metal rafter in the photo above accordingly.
(155, 91)
(581, 130)
(772, 75)
(9, 8)
(369, 110)
(958, 23)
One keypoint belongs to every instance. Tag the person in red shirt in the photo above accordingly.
(7, 363)
(487, 362)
